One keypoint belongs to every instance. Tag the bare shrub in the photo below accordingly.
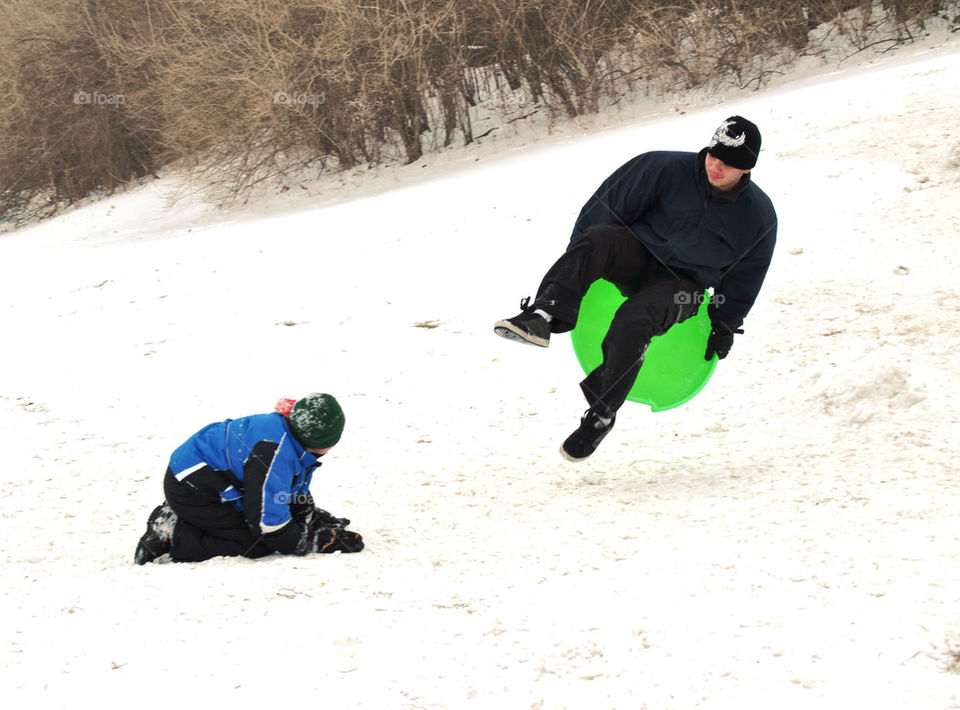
(249, 91)
(66, 128)
(876, 23)
(713, 43)
(557, 50)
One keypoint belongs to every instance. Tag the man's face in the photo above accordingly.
(721, 175)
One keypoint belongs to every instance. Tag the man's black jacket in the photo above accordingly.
(721, 239)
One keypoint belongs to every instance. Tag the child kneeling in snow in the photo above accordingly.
(241, 487)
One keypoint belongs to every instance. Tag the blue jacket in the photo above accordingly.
(258, 467)
(721, 239)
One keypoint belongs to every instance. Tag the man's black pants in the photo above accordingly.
(656, 300)
(206, 526)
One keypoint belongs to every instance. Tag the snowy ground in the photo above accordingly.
(788, 539)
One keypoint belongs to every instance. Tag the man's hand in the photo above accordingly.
(720, 342)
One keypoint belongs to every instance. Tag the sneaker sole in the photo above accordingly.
(568, 457)
(506, 329)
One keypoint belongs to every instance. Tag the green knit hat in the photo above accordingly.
(317, 420)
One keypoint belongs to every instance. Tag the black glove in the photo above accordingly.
(324, 518)
(720, 342)
(337, 540)
(301, 509)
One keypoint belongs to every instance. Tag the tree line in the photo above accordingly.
(234, 92)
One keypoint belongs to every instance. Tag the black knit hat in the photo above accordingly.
(736, 142)
(317, 420)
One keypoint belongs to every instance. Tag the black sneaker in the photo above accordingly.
(585, 440)
(158, 539)
(526, 327)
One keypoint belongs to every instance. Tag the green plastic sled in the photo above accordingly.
(673, 371)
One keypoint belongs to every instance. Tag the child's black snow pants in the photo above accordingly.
(207, 527)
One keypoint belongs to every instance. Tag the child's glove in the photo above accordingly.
(337, 540)
(302, 509)
(331, 521)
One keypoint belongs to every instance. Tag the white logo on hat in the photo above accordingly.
(721, 136)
